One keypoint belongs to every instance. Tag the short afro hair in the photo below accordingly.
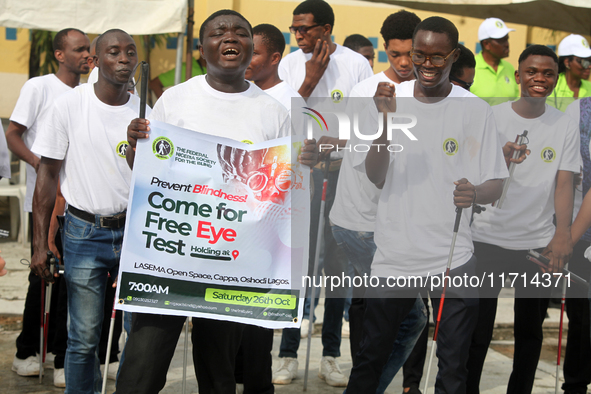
(466, 59)
(356, 42)
(320, 9)
(101, 38)
(541, 50)
(272, 37)
(221, 13)
(399, 26)
(59, 41)
(437, 24)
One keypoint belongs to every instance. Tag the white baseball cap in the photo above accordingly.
(574, 45)
(493, 28)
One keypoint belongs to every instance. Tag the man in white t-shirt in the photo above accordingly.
(81, 144)
(415, 216)
(541, 187)
(322, 69)
(203, 104)
(353, 214)
(29, 115)
(4, 156)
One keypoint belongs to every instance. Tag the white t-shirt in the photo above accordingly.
(251, 116)
(356, 199)
(287, 96)
(93, 76)
(32, 108)
(4, 155)
(91, 137)
(525, 220)
(574, 111)
(457, 138)
(345, 69)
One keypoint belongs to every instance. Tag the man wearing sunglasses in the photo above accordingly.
(323, 69)
(495, 78)
(452, 163)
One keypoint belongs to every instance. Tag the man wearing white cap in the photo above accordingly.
(494, 76)
(574, 66)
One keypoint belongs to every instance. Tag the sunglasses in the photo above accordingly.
(302, 29)
(463, 84)
(585, 63)
(436, 60)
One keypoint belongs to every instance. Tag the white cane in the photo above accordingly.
(185, 352)
(519, 140)
(319, 239)
(560, 331)
(109, 343)
(449, 259)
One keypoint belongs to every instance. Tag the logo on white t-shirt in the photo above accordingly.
(337, 96)
(122, 148)
(163, 148)
(548, 154)
(450, 146)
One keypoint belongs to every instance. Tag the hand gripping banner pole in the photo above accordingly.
(442, 300)
(319, 239)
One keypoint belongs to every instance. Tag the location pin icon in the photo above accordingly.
(235, 254)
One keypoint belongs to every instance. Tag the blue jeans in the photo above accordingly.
(90, 254)
(360, 248)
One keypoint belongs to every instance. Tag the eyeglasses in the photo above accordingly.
(302, 29)
(436, 60)
(585, 63)
(463, 84)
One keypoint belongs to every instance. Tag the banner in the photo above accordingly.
(216, 228)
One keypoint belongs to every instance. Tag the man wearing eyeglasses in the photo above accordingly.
(453, 163)
(495, 77)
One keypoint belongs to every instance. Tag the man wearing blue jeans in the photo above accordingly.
(81, 145)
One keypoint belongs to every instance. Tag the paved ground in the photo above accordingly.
(497, 367)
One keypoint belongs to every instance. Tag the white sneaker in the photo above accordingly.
(59, 378)
(113, 368)
(287, 370)
(331, 372)
(305, 327)
(345, 330)
(239, 388)
(49, 360)
(26, 367)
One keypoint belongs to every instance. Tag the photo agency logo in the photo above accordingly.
(364, 130)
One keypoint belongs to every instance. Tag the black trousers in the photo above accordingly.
(412, 369)
(577, 363)
(153, 339)
(386, 309)
(531, 304)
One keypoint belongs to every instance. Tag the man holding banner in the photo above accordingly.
(81, 145)
(220, 104)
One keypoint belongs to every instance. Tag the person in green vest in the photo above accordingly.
(166, 79)
(574, 65)
(494, 80)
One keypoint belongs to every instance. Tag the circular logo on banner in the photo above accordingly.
(249, 142)
(337, 96)
(163, 148)
(450, 146)
(122, 148)
(548, 155)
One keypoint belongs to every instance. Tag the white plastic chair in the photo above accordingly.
(18, 190)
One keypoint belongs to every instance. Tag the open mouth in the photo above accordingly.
(539, 88)
(230, 53)
(428, 75)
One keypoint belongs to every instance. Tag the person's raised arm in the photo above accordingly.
(560, 247)
(43, 205)
(315, 68)
(137, 129)
(14, 140)
(378, 157)
(467, 194)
